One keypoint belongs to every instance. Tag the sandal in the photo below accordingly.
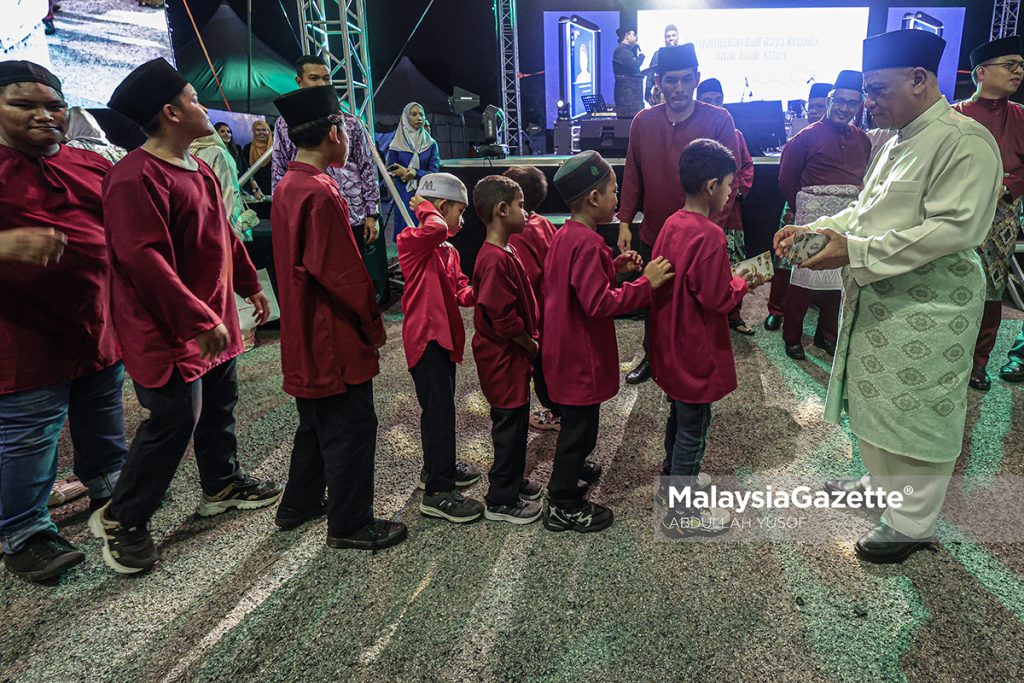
(737, 324)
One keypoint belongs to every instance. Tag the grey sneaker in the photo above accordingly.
(520, 512)
(702, 522)
(466, 474)
(661, 495)
(530, 490)
(451, 505)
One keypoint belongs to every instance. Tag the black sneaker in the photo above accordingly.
(126, 551)
(451, 505)
(466, 474)
(44, 557)
(520, 512)
(661, 495)
(291, 518)
(589, 518)
(530, 490)
(591, 472)
(245, 494)
(377, 535)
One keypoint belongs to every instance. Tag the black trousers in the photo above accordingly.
(202, 411)
(334, 450)
(540, 386)
(509, 427)
(576, 441)
(434, 377)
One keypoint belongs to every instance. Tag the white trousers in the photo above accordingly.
(928, 480)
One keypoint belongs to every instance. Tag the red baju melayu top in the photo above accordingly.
(689, 344)
(330, 323)
(650, 180)
(55, 323)
(580, 350)
(1005, 120)
(435, 287)
(741, 183)
(505, 309)
(176, 263)
(532, 246)
(823, 154)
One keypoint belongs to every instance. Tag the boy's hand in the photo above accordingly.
(625, 237)
(532, 349)
(213, 342)
(415, 202)
(628, 262)
(261, 307)
(753, 280)
(782, 242)
(658, 272)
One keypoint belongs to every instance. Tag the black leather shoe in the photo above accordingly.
(773, 322)
(883, 545)
(1012, 371)
(640, 374)
(291, 518)
(980, 379)
(795, 351)
(844, 485)
(825, 345)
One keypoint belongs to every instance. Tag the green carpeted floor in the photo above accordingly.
(235, 600)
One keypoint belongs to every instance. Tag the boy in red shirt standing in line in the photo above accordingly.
(331, 330)
(532, 246)
(581, 354)
(691, 352)
(505, 346)
(434, 338)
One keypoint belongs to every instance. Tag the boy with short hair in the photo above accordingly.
(504, 346)
(434, 338)
(581, 355)
(331, 330)
(532, 246)
(691, 352)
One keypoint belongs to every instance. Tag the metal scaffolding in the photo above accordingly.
(1004, 18)
(336, 30)
(511, 130)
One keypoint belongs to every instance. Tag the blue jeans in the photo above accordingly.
(30, 426)
(686, 438)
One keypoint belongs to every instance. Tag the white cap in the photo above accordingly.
(442, 186)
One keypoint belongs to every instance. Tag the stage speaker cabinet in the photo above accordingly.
(610, 137)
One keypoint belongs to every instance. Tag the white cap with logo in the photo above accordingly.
(442, 186)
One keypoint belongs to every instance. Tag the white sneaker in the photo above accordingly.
(545, 421)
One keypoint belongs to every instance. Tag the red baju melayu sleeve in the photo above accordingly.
(434, 287)
(175, 264)
(330, 324)
(55, 321)
(505, 309)
(689, 343)
(741, 184)
(1005, 120)
(581, 300)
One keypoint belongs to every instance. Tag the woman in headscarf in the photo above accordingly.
(84, 132)
(413, 153)
(262, 140)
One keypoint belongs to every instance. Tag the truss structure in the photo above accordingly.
(336, 30)
(511, 130)
(1004, 18)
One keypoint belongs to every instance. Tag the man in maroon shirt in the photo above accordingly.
(176, 263)
(833, 152)
(817, 103)
(331, 330)
(60, 357)
(656, 139)
(997, 72)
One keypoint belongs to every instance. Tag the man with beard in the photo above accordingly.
(997, 69)
(657, 138)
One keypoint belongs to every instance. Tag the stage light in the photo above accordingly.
(563, 110)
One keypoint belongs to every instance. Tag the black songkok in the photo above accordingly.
(902, 49)
(20, 71)
(146, 90)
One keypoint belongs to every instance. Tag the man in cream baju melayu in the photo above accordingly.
(914, 288)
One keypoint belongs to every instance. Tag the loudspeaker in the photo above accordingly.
(610, 137)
